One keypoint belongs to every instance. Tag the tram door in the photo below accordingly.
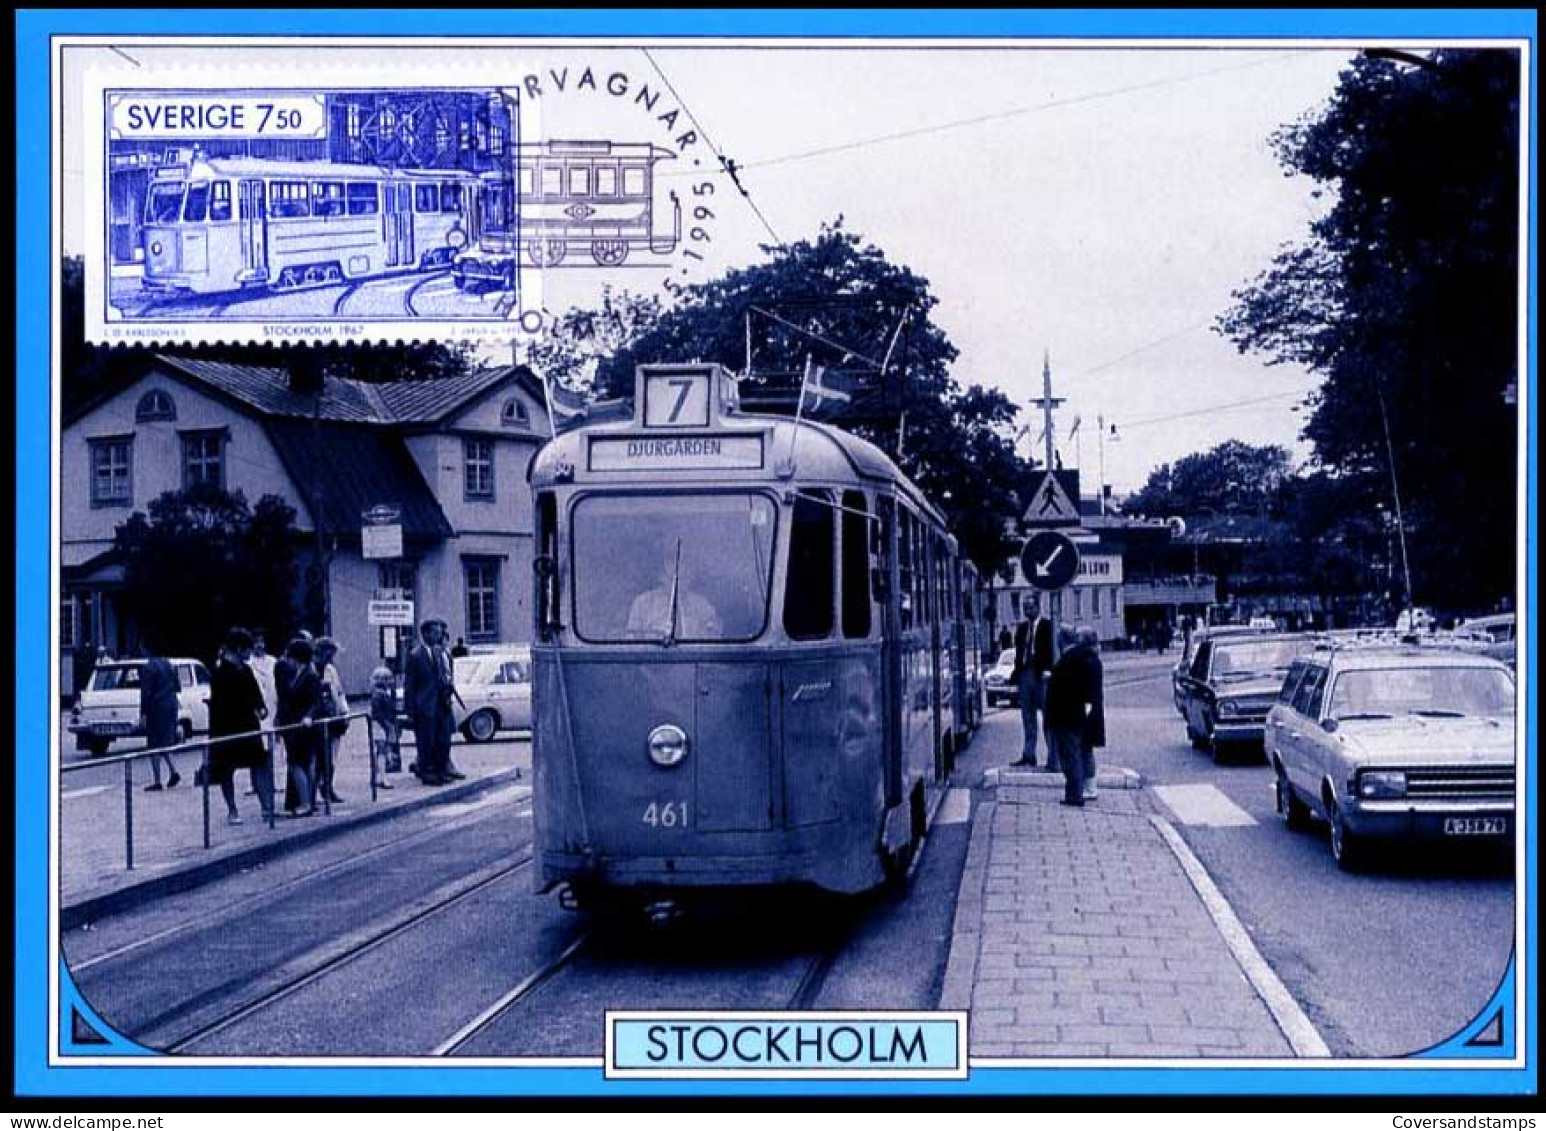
(252, 210)
(399, 224)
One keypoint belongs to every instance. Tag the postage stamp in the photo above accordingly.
(449, 211)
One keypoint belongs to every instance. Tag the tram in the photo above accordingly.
(217, 224)
(752, 652)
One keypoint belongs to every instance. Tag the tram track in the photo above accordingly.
(355, 949)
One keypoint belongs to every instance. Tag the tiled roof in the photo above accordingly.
(357, 468)
(425, 402)
(268, 391)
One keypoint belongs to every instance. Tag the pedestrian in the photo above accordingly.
(386, 754)
(85, 662)
(460, 648)
(236, 708)
(426, 698)
(448, 676)
(159, 688)
(1034, 656)
(300, 696)
(334, 705)
(1076, 714)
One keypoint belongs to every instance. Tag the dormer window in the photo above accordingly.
(514, 414)
(154, 405)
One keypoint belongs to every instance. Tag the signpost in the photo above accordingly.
(1049, 560)
(1052, 503)
(381, 532)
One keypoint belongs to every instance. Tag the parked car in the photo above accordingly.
(493, 685)
(1189, 649)
(1494, 636)
(108, 707)
(996, 683)
(1232, 681)
(1395, 743)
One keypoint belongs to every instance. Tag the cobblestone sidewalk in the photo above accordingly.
(1079, 934)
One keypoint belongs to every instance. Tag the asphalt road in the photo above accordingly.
(424, 935)
(1387, 962)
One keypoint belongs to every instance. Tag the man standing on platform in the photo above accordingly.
(427, 699)
(1076, 714)
(1034, 657)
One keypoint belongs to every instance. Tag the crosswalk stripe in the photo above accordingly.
(1203, 804)
(87, 792)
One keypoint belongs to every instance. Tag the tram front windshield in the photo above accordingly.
(164, 202)
(689, 568)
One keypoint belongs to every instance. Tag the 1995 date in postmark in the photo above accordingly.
(339, 213)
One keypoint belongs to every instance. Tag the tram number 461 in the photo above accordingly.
(666, 814)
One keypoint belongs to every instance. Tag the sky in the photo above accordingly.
(1094, 206)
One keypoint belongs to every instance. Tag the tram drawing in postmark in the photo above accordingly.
(382, 214)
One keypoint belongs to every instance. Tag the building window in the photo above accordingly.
(1113, 600)
(204, 458)
(112, 472)
(514, 414)
(67, 622)
(481, 577)
(478, 468)
(154, 405)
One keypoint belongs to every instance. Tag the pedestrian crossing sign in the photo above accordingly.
(1052, 504)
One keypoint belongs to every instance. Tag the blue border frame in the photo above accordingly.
(34, 453)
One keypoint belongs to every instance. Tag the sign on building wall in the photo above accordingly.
(381, 533)
(1102, 569)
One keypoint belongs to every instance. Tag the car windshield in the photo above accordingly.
(1006, 658)
(1434, 692)
(688, 568)
(116, 677)
(1249, 659)
(164, 203)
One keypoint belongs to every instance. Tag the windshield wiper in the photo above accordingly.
(676, 584)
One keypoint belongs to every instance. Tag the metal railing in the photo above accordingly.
(205, 777)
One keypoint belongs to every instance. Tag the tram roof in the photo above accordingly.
(838, 456)
(310, 170)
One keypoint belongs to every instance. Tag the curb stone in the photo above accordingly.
(966, 931)
(132, 895)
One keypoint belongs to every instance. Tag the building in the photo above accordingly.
(451, 456)
(1095, 597)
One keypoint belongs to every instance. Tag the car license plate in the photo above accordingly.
(1475, 826)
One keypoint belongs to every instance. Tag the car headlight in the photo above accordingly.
(1228, 707)
(1382, 783)
(668, 745)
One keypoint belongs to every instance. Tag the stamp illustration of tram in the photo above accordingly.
(214, 225)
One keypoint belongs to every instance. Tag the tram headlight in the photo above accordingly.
(668, 745)
(155, 247)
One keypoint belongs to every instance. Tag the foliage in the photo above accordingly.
(837, 301)
(202, 560)
(581, 338)
(1405, 297)
(1232, 478)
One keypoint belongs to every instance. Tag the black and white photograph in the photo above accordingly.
(969, 561)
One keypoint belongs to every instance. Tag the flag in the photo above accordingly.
(1074, 431)
(824, 392)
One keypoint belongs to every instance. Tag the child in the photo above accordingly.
(383, 713)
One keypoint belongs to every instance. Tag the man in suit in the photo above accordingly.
(1034, 657)
(427, 699)
(1076, 715)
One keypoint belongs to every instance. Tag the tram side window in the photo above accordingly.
(364, 200)
(450, 197)
(633, 180)
(426, 198)
(606, 180)
(527, 181)
(220, 201)
(327, 198)
(289, 199)
(905, 562)
(552, 179)
(856, 566)
(809, 589)
(196, 210)
(921, 576)
(579, 180)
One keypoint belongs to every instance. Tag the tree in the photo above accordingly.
(837, 302)
(581, 338)
(201, 561)
(1404, 297)
(1232, 478)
